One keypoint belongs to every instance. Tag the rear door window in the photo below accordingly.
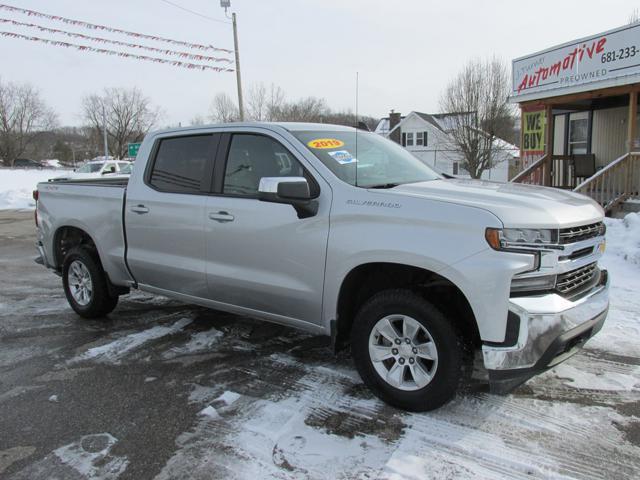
(180, 164)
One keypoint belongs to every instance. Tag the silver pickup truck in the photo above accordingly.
(342, 233)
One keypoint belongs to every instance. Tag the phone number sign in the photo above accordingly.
(585, 62)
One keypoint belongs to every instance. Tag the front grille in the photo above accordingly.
(584, 232)
(576, 280)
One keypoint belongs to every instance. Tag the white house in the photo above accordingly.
(428, 137)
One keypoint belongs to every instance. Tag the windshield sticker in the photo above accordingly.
(326, 143)
(342, 157)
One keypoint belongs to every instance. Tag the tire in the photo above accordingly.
(96, 302)
(434, 350)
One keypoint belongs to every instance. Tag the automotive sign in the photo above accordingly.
(592, 60)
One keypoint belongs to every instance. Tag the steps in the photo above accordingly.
(628, 206)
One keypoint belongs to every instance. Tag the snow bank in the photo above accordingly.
(17, 186)
(622, 258)
(623, 237)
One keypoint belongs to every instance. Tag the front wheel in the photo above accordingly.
(406, 351)
(85, 284)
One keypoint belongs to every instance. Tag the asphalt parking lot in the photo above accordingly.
(166, 390)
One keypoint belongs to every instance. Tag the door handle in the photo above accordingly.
(221, 217)
(139, 209)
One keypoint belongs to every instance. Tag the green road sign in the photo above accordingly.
(133, 149)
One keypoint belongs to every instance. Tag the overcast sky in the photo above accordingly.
(404, 51)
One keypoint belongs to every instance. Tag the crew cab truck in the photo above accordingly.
(342, 233)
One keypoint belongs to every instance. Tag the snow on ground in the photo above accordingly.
(199, 342)
(277, 406)
(114, 351)
(621, 331)
(623, 237)
(17, 186)
(320, 429)
(90, 457)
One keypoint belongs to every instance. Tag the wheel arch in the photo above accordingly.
(67, 237)
(365, 280)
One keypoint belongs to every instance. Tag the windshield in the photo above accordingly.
(127, 169)
(378, 162)
(90, 168)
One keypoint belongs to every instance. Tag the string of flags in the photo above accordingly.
(92, 26)
(192, 56)
(86, 48)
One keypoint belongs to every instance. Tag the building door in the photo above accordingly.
(578, 133)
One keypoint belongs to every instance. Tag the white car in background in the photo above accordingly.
(123, 172)
(96, 169)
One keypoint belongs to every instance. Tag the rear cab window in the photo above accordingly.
(181, 164)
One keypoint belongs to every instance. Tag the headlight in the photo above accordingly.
(503, 239)
(528, 284)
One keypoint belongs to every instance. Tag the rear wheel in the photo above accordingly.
(85, 284)
(406, 351)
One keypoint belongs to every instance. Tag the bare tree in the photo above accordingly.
(309, 109)
(479, 94)
(129, 117)
(23, 116)
(263, 104)
(348, 118)
(634, 17)
(269, 104)
(223, 109)
(197, 121)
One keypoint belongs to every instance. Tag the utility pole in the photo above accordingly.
(227, 4)
(104, 134)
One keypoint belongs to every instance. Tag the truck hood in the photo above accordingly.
(516, 205)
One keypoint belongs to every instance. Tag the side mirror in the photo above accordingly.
(294, 191)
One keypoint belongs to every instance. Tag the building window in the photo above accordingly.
(578, 133)
(455, 168)
(409, 139)
(421, 138)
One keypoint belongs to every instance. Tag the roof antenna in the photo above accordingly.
(356, 127)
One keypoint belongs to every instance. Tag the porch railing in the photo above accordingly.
(534, 173)
(559, 171)
(615, 183)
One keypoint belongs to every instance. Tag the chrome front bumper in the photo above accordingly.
(551, 328)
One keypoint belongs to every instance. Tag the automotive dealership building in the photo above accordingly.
(579, 114)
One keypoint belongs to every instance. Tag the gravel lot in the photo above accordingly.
(166, 390)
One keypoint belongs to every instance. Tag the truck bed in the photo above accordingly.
(96, 207)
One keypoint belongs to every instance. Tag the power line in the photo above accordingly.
(192, 56)
(93, 26)
(195, 13)
(86, 48)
